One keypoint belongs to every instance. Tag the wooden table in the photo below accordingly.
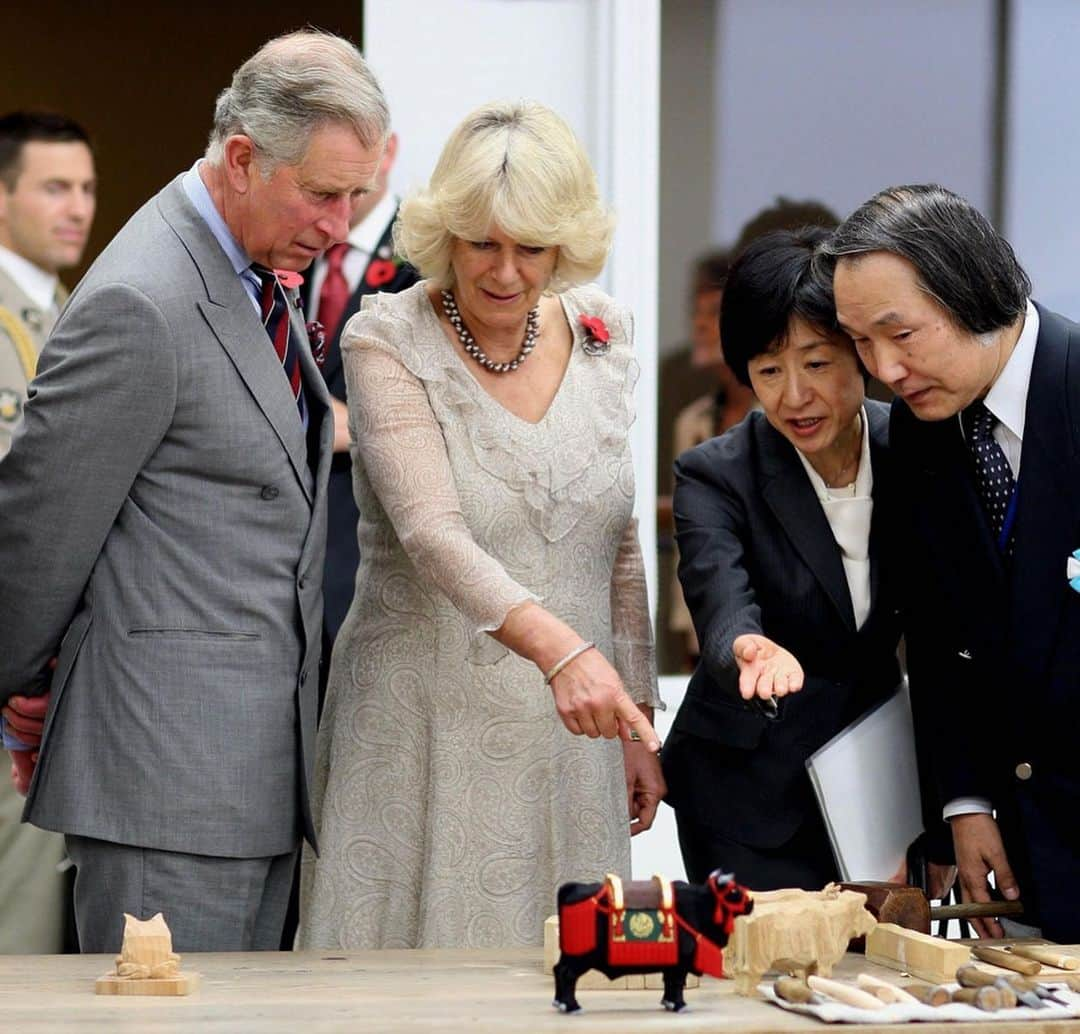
(392, 991)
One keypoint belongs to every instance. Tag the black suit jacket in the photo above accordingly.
(757, 554)
(342, 552)
(994, 648)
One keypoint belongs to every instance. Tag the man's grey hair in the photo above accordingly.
(292, 86)
(961, 260)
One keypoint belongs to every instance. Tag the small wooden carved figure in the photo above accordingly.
(789, 929)
(645, 927)
(146, 963)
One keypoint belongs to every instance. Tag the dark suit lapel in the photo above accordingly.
(955, 529)
(878, 429)
(1047, 504)
(232, 317)
(788, 493)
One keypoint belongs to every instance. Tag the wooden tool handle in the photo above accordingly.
(986, 998)
(791, 989)
(996, 957)
(929, 994)
(1047, 954)
(972, 976)
(845, 993)
(977, 910)
(882, 989)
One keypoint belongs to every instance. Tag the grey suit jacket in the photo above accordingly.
(162, 531)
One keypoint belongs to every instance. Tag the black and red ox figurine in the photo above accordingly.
(674, 928)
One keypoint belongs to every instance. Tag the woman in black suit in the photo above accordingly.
(780, 524)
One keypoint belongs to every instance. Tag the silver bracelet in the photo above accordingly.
(573, 655)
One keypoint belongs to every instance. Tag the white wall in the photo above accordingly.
(1042, 185)
(836, 99)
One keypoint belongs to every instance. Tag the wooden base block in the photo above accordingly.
(593, 980)
(111, 984)
(928, 958)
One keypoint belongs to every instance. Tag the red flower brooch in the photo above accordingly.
(597, 337)
(380, 272)
(288, 278)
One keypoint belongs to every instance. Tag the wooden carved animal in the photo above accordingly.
(673, 928)
(146, 952)
(802, 929)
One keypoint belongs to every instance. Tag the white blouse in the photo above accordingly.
(848, 511)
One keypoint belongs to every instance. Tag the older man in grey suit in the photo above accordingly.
(163, 516)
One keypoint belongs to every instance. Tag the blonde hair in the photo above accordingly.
(518, 167)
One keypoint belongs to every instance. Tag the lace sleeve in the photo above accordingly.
(634, 656)
(401, 446)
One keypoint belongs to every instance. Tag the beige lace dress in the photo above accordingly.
(450, 800)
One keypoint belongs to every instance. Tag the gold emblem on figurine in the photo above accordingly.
(642, 925)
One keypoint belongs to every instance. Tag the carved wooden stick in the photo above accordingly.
(845, 993)
(888, 993)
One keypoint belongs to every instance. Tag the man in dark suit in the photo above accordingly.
(986, 439)
(163, 519)
(338, 283)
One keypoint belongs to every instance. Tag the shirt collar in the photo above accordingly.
(365, 235)
(38, 285)
(204, 204)
(1007, 398)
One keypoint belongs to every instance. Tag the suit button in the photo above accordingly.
(1023, 771)
(270, 492)
(302, 583)
(303, 677)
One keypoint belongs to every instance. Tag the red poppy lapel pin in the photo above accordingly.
(597, 337)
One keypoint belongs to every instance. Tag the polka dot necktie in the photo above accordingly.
(993, 475)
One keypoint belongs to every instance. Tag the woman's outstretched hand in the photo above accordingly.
(766, 669)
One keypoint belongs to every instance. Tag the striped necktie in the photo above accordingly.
(274, 307)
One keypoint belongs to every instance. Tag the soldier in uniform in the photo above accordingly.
(46, 209)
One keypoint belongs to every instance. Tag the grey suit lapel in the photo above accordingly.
(235, 323)
(788, 493)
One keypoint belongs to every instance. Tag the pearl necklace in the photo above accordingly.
(468, 342)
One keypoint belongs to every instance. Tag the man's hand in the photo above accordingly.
(979, 851)
(340, 413)
(645, 786)
(766, 669)
(22, 769)
(25, 716)
(939, 879)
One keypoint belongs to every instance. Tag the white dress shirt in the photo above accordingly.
(38, 285)
(848, 511)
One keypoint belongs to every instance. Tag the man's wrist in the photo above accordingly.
(967, 806)
(10, 740)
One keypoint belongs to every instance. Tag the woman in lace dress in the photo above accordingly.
(487, 727)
